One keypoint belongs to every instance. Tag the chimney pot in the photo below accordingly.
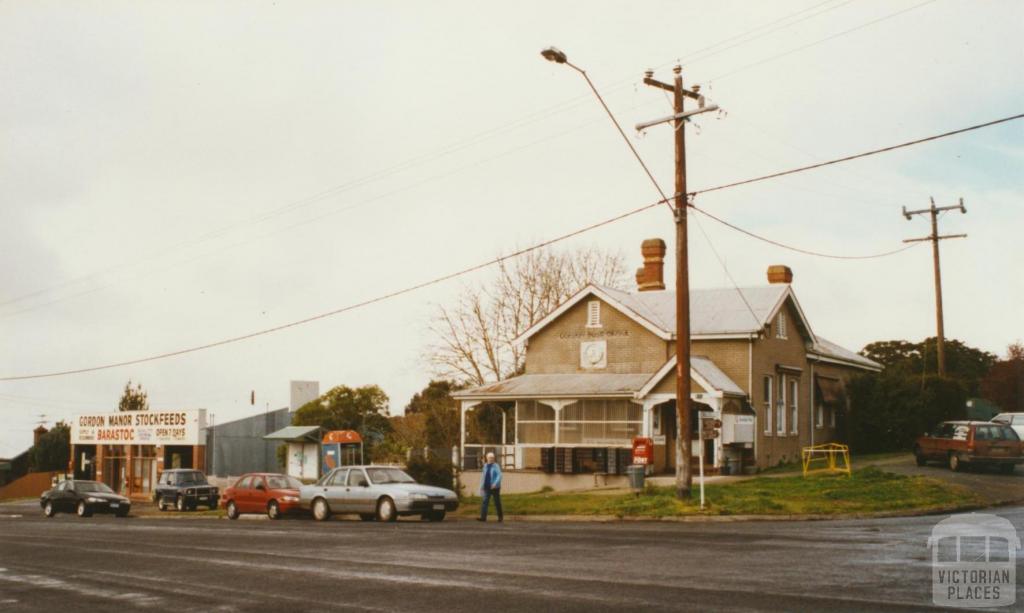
(651, 276)
(778, 273)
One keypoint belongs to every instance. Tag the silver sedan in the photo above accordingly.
(375, 492)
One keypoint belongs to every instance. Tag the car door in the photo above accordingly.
(1004, 442)
(242, 494)
(57, 496)
(359, 493)
(68, 497)
(983, 443)
(258, 494)
(335, 489)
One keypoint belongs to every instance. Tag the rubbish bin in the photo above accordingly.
(637, 474)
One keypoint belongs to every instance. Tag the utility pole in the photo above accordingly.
(684, 434)
(935, 238)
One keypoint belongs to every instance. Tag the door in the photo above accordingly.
(242, 494)
(334, 489)
(359, 495)
(258, 495)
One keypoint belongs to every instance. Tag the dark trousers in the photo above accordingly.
(488, 494)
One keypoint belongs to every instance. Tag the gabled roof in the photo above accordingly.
(704, 371)
(713, 312)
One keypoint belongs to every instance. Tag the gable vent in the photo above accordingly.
(594, 314)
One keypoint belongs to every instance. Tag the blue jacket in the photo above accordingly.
(495, 475)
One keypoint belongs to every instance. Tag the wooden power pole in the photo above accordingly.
(934, 237)
(684, 434)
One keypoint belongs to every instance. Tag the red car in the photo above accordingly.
(271, 493)
(971, 443)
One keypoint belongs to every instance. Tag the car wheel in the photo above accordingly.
(919, 457)
(1006, 469)
(273, 511)
(232, 510)
(436, 516)
(386, 510)
(367, 516)
(179, 504)
(82, 509)
(955, 464)
(160, 503)
(321, 511)
(48, 509)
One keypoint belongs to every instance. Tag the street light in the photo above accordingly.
(554, 54)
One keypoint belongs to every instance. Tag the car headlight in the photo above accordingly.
(190, 491)
(91, 499)
(290, 498)
(418, 496)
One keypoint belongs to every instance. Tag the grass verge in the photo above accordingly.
(868, 490)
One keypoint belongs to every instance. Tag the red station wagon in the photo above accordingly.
(270, 493)
(970, 443)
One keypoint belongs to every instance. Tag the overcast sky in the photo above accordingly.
(172, 174)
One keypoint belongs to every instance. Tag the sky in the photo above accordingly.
(176, 174)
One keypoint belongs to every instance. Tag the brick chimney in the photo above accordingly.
(651, 277)
(38, 434)
(780, 274)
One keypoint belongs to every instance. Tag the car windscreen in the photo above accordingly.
(388, 475)
(191, 477)
(91, 486)
(283, 483)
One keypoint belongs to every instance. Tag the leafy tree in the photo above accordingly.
(441, 413)
(133, 398)
(1004, 383)
(473, 337)
(53, 450)
(363, 409)
(905, 358)
(888, 411)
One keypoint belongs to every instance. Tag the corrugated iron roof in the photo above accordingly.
(828, 349)
(712, 311)
(560, 386)
(714, 375)
(295, 433)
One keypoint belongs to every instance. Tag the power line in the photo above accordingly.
(798, 249)
(491, 262)
(818, 42)
(857, 155)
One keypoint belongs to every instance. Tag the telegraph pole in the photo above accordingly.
(684, 434)
(934, 237)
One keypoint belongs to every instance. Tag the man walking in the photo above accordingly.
(490, 486)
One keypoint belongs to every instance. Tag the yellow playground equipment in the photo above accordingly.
(825, 458)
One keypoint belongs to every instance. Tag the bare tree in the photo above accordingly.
(473, 336)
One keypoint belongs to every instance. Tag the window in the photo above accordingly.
(535, 423)
(819, 419)
(767, 389)
(780, 408)
(339, 478)
(594, 314)
(794, 409)
(357, 478)
(244, 484)
(780, 329)
(600, 422)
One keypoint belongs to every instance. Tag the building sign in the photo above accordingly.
(183, 427)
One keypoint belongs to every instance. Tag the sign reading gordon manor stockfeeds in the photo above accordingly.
(182, 427)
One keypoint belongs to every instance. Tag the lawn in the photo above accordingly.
(868, 490)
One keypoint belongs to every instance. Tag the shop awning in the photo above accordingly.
(830, 390)
(296, 434)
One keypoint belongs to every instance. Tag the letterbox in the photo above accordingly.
(643, 451)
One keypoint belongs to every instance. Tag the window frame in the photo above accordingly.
(794, 404)
(780, 327)
(780, 408)
(768, 390)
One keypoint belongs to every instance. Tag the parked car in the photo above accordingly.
(375, 492)
(83, 498)
(271, 493)
(1014, 420)
(970, 443)
(184, 489)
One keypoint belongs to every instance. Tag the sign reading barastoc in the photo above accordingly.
(180, 427)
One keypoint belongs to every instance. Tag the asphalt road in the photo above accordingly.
(993, 487)
(108, 564)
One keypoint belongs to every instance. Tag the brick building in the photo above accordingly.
(600, 370)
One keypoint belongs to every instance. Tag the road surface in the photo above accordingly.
(108, 564)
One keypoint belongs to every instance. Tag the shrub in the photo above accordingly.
(432, 471)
